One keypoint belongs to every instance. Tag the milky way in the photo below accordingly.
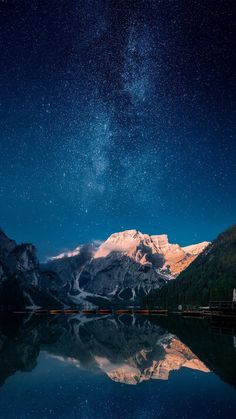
(114, 115)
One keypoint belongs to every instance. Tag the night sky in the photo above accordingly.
(116, 115)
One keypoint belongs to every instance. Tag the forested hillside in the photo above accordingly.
(212, 276)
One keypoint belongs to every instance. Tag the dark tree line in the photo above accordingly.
(212, 276)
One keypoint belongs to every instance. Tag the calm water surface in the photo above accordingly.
(116, 367)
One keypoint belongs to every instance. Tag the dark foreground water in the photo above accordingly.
(116, 367)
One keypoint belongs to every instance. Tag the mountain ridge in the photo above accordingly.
(123, 269)
(129, 264)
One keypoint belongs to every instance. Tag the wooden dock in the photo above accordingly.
(226, 307)
(224, 311)
(99, 311)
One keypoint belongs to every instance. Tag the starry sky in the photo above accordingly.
(116, 114)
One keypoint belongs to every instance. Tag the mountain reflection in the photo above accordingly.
(127, 349)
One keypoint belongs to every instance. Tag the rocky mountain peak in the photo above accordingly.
(6, 245)
(130, 264)
(195, 249)
(161, 240)
(127, 242)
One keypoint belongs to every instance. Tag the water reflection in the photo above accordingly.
(127, 349)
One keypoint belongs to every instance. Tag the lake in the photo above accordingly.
(57, 366)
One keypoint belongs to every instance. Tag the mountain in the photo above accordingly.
(17, 260)
(68, 265)
(122, 270)
(22, 284)
(211, 276)
(129, 264)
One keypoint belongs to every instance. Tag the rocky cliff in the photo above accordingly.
(129, 264)
(22, 284)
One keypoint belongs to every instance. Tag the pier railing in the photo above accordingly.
(222, 306)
